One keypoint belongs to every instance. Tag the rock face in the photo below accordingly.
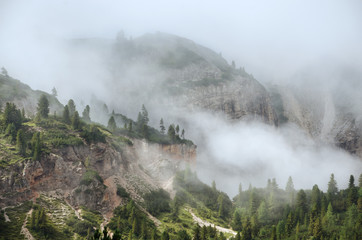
(88, 175)
(320, 115)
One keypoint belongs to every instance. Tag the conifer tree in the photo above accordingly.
(162, 126)
(71, 107)
(86, 114)
(273, 234)
(171, 133)
(144, 115)
(136, 227)
(247, 231)
(352, 197)
(66, 115)
(290, 190)
(183, 134)
(20, 142)
(332, 187)
(43, 107)
(76, 121)
(112, 124)
(236, 223)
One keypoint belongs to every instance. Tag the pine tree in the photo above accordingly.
(66, 115)
(289, 188)
(144, 233)
(12, 116)
(213, 185)
(352, 197)
(262, 213)
(112, 124)
(4, 72)
(136, 227)
(247, 232)
(20, 143)
(332, 187)
(318, 231)
(54, 92)
(236, 223)
(162, 126)
(144, 115)
(86, 114)
(130, 126)
(177, 129)
(183, 134)
(360, 181)
(171, 133)
(273, 234)
(76, 121)
(43, 107)
(71, 107)
(36, 146)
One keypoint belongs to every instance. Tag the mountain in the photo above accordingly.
(321, 114)
(176, 73)
(12, 90)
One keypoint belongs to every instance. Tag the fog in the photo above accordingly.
(304, 45)
(251, 153)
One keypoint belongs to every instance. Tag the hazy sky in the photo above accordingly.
(272, 39)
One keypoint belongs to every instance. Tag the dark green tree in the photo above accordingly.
(36, 146)
(76, 124)
(352, 197)
(273, 234)
(43, 107)
(332, 188)
(71, 106)
(290, 190)
(85, 114)
(66, 115)
(182, 235)
(112, 124)
(12, 115)
(20, 143)
(162, 126)
(144, 115)
(171, 133)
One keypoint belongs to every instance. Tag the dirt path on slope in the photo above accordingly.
(24, 230)
(205, 223)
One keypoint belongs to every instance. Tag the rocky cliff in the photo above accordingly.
(321, 115)
(88, 175)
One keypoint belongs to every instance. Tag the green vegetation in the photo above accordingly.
(122, 192)
(16, 216)
(141, 129)
(157, 202)
(181, 59)
(89, 176)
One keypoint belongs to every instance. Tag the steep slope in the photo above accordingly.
(321, 114)
(12, 90)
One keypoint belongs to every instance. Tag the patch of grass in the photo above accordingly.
(11, 230)
(89, 176)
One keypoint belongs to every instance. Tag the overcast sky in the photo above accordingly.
(272, 39)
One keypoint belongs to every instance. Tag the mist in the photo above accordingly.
(314, 47)
(253, 152)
